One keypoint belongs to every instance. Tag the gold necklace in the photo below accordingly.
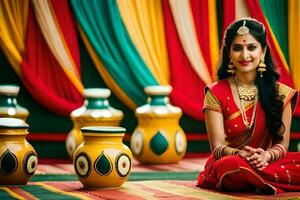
(244, 115)
(246, 92)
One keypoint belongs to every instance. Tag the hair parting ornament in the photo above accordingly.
(243, 29)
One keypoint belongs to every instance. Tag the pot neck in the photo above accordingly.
(8, 101)
(158, 100)
(97, 103)
(106, 138)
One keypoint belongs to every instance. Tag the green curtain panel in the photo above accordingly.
(276, 13)
(101, 22)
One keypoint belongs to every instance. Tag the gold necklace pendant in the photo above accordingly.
(244, 115)
(246, 92)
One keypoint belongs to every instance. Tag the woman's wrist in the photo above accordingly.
(267, 156)
(243, 154)
(223, 150)
(276, 152)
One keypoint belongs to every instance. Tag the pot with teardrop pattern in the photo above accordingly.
(95, 111)
(158, 137)
(18, 159)
(102, 160)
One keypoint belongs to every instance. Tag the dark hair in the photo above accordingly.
(267, 90)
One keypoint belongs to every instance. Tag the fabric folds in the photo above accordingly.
(50, 18)
(42, 75)
(13, 23)
(143, 20)
(103, 27)
(134, 44)
(187, 93)
(294, 39)
(181, 11)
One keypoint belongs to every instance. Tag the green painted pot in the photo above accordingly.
(95, 111)
(158, 137)
(102, 160)
(8, 103)
(18, 159)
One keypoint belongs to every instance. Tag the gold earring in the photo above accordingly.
(231, 69)
(261, 67)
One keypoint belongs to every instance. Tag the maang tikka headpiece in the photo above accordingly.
(243, 29)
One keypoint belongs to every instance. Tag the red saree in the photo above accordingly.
(232, 173)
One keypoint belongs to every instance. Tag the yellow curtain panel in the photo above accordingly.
(105, 74)
(144, 22)
(294, 40)
(213, 39)
(13, 23)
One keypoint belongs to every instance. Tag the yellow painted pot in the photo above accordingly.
(8, 103)
(95, 111)
(18, 159)
(158, 138)
(102, 160)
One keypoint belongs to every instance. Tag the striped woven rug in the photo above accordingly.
(185, 165)
(177, 181)
(136, 190)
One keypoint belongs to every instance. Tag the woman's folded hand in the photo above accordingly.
(256, 157)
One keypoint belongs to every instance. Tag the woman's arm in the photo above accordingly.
(279, 148)
(287, 120)
(216, 135)
(215, 128)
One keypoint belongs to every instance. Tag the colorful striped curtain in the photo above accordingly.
(294, 39)
(143, 20)
(205, 22)
(275, 12)
(50, 27)
(101, 24)
(183, 18)
(134, 44)
(24, 45)
(13, 23)
(188, 87)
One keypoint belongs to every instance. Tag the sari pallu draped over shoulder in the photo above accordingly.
(233, 172)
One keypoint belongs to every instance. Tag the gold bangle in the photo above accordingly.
(223, 150)
(218, 150)
(276, 152)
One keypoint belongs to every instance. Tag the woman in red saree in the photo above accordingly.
(248, 117)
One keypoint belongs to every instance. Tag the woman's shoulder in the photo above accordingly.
(218, 85)
(213, 95)
(284, 89)
(286, 92)
(218, 89)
